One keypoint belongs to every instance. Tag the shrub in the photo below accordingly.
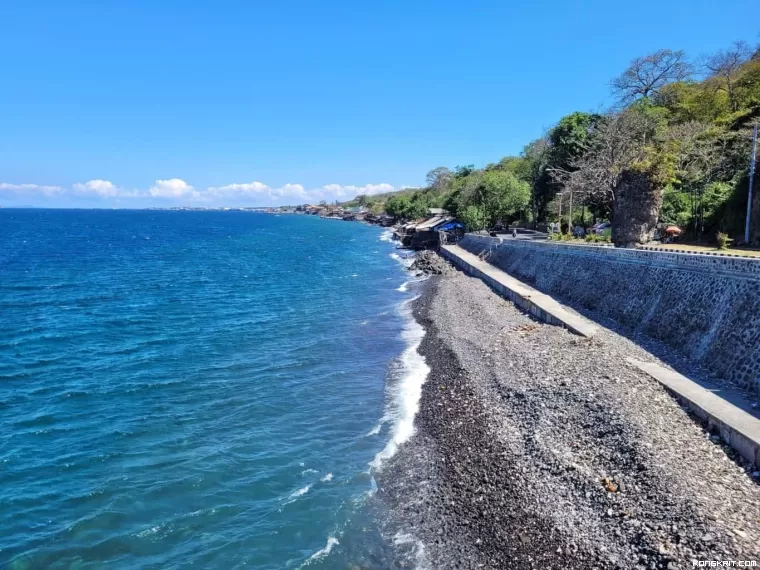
(723, 240)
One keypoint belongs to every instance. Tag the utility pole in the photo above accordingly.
(570, 216)
(751, 182)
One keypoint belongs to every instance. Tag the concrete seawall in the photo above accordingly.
(705, 307)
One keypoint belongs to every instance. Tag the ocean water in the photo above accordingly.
(198, 389)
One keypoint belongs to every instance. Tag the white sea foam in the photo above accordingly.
(375, 430)
(387, 235)
(149, 531)
(406, 284)
(327, 478)
(322, 552)
(297, 493)
(307, 471)
(406, 259)
(406, 391)
(417, 547)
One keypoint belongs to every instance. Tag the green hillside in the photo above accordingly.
(675, 149)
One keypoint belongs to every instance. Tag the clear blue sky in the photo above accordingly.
(154, 102)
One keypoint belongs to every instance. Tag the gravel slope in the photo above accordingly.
(538, 449)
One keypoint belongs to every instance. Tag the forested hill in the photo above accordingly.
(675, 149)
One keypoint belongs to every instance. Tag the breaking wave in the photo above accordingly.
(297, 493)
(322, 552)
(405, 393)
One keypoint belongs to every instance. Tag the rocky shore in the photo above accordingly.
(535, 448)
(430, 263)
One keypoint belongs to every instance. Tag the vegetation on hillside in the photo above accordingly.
(674, 149)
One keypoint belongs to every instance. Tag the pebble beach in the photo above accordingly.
(535, 448)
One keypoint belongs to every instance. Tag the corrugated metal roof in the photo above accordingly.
(414, 223)
(427, 224)
(444, 220)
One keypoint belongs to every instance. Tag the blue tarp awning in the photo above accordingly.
(449, 226)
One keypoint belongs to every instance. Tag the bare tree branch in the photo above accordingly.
(439, 177)
(646, 75)
(724, 66)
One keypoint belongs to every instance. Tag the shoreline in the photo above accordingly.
(533, 448)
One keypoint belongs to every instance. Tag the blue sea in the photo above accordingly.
(189, 389)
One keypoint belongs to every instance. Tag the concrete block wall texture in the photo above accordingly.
(705, 307)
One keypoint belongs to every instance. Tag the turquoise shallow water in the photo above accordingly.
(192, 389)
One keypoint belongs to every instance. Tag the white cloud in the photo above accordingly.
(291, 191)
(178, 192)
(173, 188)
(338, 192)
(31, 189)
(248, 188)
(296, 193)
(103, 188)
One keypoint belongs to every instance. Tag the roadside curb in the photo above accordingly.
(693, 252)
(538, 304)
(737, 428)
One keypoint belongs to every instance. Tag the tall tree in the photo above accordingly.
(463, 171)
(484, 198)
(725, 66)
(646, 75)
(624, 168)
(504, 195)
(536, 154)
(562, 145)
(439, 178)
(397, 206)
(569, 139)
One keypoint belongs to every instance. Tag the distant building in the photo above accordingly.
(429, 232)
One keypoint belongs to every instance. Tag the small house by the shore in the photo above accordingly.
(430, 232)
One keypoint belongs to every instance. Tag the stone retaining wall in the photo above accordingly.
(705, 307)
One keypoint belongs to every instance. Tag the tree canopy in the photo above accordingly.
(646, 75)
(683, 143)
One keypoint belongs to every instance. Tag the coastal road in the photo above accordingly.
(524, 235)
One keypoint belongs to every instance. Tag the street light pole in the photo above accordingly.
(751, 181)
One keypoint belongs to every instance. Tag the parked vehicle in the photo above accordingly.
(599, 229)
